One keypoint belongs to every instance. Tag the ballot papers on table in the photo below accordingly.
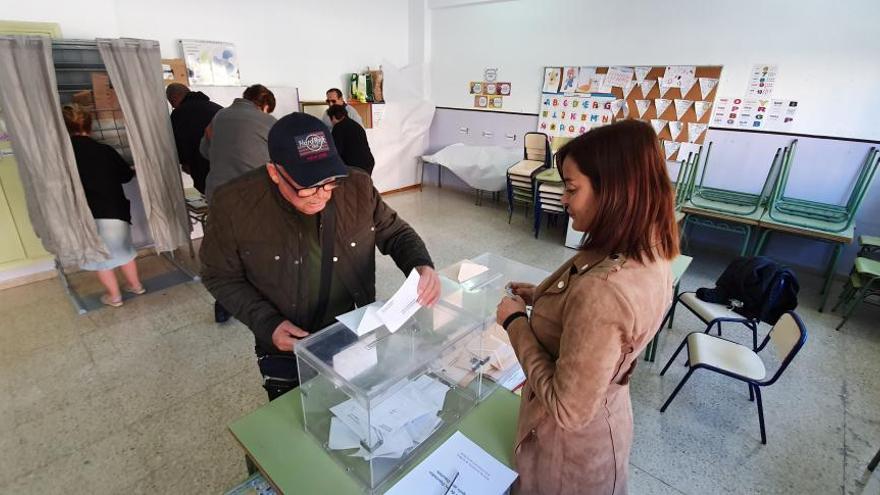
(400, 421)
(459, 467)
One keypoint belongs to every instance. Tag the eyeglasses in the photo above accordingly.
(305, 192)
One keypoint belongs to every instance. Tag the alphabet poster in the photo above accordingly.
(571, 116)
(752, 113)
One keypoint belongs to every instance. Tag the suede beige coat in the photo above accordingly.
(590, 321)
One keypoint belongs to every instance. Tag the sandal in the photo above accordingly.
(115, 303)
(136, 290)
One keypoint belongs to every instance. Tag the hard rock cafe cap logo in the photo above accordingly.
(312, 146)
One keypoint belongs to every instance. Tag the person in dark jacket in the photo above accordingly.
(102, 172)
(192, 113)
(351, 140)
(292, 245)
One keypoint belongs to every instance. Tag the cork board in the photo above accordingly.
(638, 104)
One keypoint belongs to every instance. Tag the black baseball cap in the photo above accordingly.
(304, 147)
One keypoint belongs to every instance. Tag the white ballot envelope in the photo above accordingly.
(402, 305)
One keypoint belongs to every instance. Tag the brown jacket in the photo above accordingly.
(253, 254)
(590, 320)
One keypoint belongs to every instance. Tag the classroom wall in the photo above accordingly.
(827, 53)
(308, 45)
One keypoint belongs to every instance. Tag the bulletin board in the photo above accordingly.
(676, 100)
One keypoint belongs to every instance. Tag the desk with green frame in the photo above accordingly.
(274, 439)
(744, 225)
(837, 239)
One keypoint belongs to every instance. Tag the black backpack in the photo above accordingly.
(755, 287)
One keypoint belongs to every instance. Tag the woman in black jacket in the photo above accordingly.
(102, 172)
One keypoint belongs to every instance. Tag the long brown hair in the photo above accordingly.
(635, 214)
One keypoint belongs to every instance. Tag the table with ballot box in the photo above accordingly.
(385, 379)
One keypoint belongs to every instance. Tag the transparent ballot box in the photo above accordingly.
(475, 286)
(375, 401)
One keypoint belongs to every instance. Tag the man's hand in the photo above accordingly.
(429, 285)
(286, 335)
(524, 290)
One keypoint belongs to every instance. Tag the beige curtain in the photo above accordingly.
(135, 70)
(55, 199)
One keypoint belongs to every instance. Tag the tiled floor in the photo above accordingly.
(136, 400)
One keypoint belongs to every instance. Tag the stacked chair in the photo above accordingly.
(734, 202)
(521, 176)
(817, 215)
(549, 189)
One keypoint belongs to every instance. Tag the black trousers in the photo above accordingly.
(280, 374)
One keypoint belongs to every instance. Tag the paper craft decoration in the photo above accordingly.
(598, 84)
(585, 75)
(707, 84)
(658, 125)
(670, 148)
(476, 87)
(681, 108)
(695, 131)
(647, 86)
(598, 89)
(496, 101)
(490, 74)
(504, 88)
(481, 101)
(664, 88)
(687, 85)
(701, 107)
(675, 73)
(675, 128)
(569, 79)
(627, 88)
(618, 76)
(552, 79)
(661, 104)
(490, 88)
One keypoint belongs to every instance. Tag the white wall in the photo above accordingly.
(307, 44)
(827, 52)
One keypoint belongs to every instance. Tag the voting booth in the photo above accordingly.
(376, 395)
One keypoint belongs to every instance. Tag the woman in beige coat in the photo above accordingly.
(594, 315)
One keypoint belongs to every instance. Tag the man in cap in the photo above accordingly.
(292, 245)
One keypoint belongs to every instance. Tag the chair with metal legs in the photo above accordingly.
(876, 460)
(739, 362)
(711, 314)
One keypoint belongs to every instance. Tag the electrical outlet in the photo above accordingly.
(510, 137)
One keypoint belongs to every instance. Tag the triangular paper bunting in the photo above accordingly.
(675, 128)
(625, 109)
(641, 73)
(642, 107)
(681, 107)
(627, 88)
(647, 86)
(695, 130)
(658, 125)
(670, 148)
(701, 107)
(661, 105)
(707, 84)
(663, 88)
(687, 85)
(616, 105)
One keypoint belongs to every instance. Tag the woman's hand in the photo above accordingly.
(524, 290)
(508, 306)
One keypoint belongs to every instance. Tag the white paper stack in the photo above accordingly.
(402, 420)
